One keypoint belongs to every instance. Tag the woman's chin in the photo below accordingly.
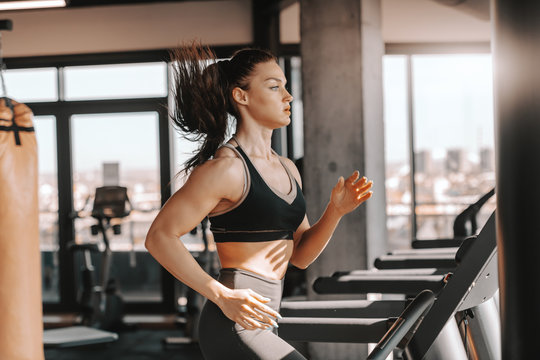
(286, 121)
(275, 124)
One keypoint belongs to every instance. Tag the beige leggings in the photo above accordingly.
(221, 338)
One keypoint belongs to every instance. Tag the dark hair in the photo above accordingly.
(203, 93)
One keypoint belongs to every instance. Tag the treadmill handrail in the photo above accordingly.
(404, 327)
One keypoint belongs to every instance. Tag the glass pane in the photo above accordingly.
(32, 85)
(297, 107)
(453, 116)
(120, 149)
(45, 127)
(116, 81)
(396, 130)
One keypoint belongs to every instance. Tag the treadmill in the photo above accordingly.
(470, 285)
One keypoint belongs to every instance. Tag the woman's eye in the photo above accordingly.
(274, 88)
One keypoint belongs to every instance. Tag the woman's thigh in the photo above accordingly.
(221, 339)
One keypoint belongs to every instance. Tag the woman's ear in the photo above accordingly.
(240, 96)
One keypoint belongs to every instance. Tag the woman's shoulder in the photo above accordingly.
(223, 176)
(224, 169)
(226, 152)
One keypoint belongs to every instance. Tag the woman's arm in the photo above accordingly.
(310, 241)
(206, 187)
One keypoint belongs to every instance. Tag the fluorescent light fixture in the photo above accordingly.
(31, 4)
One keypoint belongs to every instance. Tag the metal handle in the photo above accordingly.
(404, 327)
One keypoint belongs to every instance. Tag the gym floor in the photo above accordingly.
(138, 344)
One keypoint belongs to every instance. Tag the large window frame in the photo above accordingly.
(409, 50)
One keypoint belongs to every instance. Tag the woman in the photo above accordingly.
(252, 197)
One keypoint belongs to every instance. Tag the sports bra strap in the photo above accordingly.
(247, 180)
(246, 171)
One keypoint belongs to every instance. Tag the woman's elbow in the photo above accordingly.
(150, 241)
(302, 265)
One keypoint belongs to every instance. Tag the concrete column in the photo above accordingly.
(342, 52)
(516, 50)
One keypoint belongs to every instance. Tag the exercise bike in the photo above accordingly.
(191, 311)
(100, 304)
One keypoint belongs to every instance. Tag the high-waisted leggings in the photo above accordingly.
(223, 339)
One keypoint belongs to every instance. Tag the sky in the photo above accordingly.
(452, 104)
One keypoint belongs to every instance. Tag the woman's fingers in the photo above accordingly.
(260, 316)
(353, 178)
(363, 193)
(364, 187)
(364, 197)
(258, 296)
(254, 320)
(270, 320)
(262, 307)
(247, 309)
(266, 310)
(250, 324)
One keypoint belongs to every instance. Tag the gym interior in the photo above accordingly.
(436, 101)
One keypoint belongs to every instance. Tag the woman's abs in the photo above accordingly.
(267, 258)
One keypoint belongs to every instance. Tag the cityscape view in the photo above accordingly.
(444, 187)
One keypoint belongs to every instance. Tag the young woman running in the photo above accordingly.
(252, 196)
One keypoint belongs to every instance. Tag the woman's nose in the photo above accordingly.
(288, 97)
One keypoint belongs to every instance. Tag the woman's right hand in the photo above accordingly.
(247, 308)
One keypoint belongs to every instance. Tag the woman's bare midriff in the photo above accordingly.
(266, 258)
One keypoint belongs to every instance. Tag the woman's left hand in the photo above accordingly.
(348, 194)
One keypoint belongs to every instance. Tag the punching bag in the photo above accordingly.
(21, 322)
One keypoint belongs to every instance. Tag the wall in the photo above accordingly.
(126, 28)
(408, 21)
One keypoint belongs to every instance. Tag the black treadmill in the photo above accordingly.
(471, 283)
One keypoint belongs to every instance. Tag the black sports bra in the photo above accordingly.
(262, 213)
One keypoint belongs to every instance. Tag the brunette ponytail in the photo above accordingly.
(203, 94)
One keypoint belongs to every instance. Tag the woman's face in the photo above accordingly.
(267, 101)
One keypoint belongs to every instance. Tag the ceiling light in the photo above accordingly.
(31, 4)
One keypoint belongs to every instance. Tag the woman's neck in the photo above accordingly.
(256, 143)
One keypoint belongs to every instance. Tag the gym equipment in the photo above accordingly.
(101, 305)
(20, 271)
(470, 288)
(438, 253)
(359, 325)
(465, 225)
(417, 261)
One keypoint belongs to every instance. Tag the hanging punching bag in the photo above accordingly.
(21, 322)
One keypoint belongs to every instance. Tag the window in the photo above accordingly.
(32, 85)
(452, 141)
(398, 169)
(116, 81)
(104, 153)
(453, 124)
(45, 130)
(297, 120)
